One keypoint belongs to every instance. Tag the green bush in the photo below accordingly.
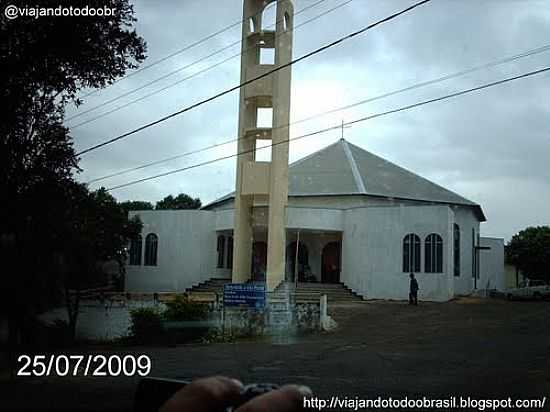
(181, 308)
(146, 324)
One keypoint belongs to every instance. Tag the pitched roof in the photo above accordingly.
(345, 169)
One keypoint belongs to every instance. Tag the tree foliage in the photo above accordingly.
(49, 221)
(130, 205)
(181, 201)
(529, 251)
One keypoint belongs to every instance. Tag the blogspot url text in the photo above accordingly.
(452, 402)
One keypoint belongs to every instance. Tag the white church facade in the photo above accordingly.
(352, 218)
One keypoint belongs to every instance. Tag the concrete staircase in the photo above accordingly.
(305, 292)
(211, 285)
(336, 293)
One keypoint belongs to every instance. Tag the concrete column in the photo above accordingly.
(272, 91)
(278, 190)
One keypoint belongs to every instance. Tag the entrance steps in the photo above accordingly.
(303, 293)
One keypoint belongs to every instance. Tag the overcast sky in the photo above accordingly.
(492, 147)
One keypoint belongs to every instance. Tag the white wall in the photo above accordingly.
(467, 221)
(492, 264)
(186, 251)
(372, 251)
(103, 322)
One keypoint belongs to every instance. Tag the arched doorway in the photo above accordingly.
(330, 267)
(259, 261)
(303, 260)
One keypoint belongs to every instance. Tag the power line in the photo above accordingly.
(268, 73)
(208, 68)
(338, 126)
(179, 51)
(349, 106)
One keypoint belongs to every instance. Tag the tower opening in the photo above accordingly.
(269, 16)
(267, 55)
(264, 117)
(263, 150)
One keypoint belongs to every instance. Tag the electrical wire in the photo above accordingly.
(362, 119)
(268, 73)
(169, 86)
(338, 109)
(179, 51)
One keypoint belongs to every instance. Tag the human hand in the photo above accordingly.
(217, 393)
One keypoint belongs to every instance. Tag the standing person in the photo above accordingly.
(413, 291)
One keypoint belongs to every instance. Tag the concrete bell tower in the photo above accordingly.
(263, 181)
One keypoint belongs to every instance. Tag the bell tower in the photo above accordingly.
(265, 182)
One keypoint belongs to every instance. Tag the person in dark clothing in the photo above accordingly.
(413, 291)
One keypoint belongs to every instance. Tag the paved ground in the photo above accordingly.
(484, 348)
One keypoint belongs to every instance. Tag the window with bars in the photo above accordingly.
(151, 249)
(229, 253)
(135, 250)
(221, 250)
(411, 253)
(433, 259)
(456, 250)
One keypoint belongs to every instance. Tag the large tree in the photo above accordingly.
(129, 205)
(529, 251)
(181, 201)
(45, 63)
(96, 229)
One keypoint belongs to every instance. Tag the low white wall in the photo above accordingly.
(186, 251)
(103, 322)
(491, 263)
(373, 257)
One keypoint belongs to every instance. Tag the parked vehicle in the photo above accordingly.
(529, 289)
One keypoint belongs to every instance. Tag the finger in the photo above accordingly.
(289, 398)
(205, 395)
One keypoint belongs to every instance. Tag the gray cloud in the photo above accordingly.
(492, 146)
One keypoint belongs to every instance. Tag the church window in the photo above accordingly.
(411, 253)
(433, 259)
(229, 253)
(221, 250)
(456, 247)
(151, 249)
(135, 250)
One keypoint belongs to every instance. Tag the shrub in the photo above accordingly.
(218, 336)
(181, 308)
(146, 324)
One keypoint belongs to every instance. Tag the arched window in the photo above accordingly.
(269, 16)
(151, 246)
(251, 25)
(229, 253)
(433, 248)
(220, 249)
(411, 253)
(135, 250)
(456, 248)
(286, 22)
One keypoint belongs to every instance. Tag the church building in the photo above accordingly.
(352, 218)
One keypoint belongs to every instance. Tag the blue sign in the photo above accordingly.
(251, 295)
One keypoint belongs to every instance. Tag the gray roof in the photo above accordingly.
(345, 169)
